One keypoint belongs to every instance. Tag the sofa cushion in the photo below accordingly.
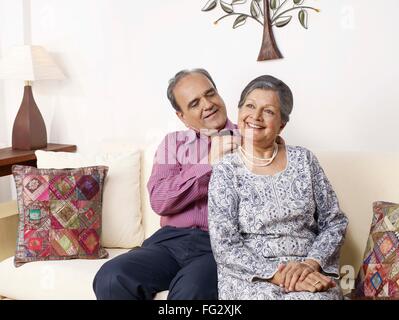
(59, 213)
(69, 279)
(379, 274)
(54, 280)
(122, 227)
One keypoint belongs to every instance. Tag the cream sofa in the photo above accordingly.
(358, 178)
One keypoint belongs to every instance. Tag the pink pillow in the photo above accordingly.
(59, 213)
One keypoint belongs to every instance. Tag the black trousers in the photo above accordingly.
(176, 259)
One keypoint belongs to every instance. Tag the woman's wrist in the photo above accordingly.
(276, 279)
(313, 264)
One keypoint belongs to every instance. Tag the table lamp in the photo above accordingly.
(29, 63)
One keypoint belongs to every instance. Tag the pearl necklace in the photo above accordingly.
(267, 161)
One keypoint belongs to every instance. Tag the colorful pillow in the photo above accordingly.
(122, 219)
(378, 277)
(59, 213)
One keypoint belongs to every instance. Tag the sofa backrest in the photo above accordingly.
(358, 178)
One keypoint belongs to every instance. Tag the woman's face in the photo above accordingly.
(259, 118)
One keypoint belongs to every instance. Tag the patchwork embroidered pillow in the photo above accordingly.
(121, 215)
(378, 276)
(59, 213)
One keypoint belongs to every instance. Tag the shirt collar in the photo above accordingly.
(230, 125)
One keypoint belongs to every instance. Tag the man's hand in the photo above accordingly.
(221, 145)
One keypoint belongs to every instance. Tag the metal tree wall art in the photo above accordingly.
(274, 13)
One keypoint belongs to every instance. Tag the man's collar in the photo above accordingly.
(230, 125)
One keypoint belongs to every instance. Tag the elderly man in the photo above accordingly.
(178, 257)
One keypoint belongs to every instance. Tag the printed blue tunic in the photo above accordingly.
(259, 221)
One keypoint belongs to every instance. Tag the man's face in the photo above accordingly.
(200, 104)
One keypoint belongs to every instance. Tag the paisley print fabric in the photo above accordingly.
(259, 221)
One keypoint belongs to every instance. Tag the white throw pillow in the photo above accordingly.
(121, 216)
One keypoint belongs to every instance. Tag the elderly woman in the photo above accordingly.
(275, 224)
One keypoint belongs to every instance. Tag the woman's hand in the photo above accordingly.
(315, 282)
(304, 275)
(277, 276)
(295, 271)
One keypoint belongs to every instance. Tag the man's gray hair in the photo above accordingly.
(180, 75)
(267, 82)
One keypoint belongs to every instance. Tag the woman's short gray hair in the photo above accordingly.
(180, 75)
(267, 82)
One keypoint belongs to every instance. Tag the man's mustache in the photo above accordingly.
(213, 110)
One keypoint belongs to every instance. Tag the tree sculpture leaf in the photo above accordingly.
(303, 18)
(227, 7)
(211, 4)
(241, 19)
(297, 2)
(238, 1)
(274, 4)
(255, 10)
(283, 21)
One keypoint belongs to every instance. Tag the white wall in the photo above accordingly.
(11, 92)
(119, 55)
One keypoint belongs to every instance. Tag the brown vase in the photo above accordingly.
(29, 131)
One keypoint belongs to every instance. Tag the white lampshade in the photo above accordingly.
(29, 63)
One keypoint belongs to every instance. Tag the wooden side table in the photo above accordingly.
(9, 157)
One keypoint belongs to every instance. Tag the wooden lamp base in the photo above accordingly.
(29, 131)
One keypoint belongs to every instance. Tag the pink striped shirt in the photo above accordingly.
(178, 185)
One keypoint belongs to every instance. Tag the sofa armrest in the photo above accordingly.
(8, 229)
